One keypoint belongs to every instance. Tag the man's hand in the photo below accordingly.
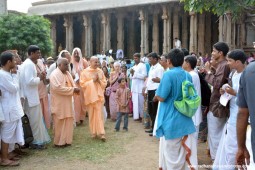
(132, 71)
(242, 157)
(95, 77)
(155, 99)
(156, 80)
(76, 90)
(42, 75)
(222, 91)
(231, 91)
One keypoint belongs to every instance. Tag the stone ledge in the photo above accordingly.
(88, 5)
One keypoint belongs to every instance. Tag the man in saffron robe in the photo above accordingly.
(93, 83)
(62, 89)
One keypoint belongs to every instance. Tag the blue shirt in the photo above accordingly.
(147, 67)
(171, 123)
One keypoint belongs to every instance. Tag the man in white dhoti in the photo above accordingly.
(179, 147)
(225, 157)
(30, 79)
(137, 74)
(11, 128)
(189, 64)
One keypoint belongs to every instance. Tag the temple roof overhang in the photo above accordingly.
(87, 5)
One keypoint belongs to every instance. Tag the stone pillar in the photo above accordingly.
(68, 24)
(192, 33)
(221, 28)
(229, 28)
(224, 28)
(155, 32)
(3, 7)
(103, 15)
(146, 32)
(141, 18)
(165, 33)
(131, 36)
(120, 31)
(108, 32)
(169, 29)
(208, 33)
(87, 23)
(201, 33)
(53, 35)
(185, 30)
(195, 33)
(176, 23)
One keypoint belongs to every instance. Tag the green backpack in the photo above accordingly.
(190, 100)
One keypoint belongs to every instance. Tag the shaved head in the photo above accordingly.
(94, 62)
(61, 60)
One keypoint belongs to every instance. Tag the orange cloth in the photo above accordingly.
(43, 95)
(94, 99)
(61, 89)
(79, 107)
(63, 131)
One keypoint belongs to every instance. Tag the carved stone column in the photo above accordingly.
(191, 39)
(165, 26)
(201, 33)
(108, 31)
(131, 36)
(229, 28)
(185, 30)
(155, 32)
(120, 31)
(176, 23)
(53, 35)
(221, 28)
(141, 18)
(169, 29)
(68, 24)
(88, 35)
(195, 33)
(103, 15)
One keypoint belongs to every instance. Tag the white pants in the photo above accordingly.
(226, 153)
(38, 127)
(215, 128)
(138, 100)
(174, 153)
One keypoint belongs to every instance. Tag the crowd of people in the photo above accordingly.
(60, 94)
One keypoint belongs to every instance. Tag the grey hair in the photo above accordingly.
(116, 63)
(60, 60)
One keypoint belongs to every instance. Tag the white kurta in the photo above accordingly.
(197, 118)
(136, 89)
(11, 128)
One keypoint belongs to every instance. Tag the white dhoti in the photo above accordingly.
(248, 146)
(11, 133)
(226, 153)
(174, 153)
(38, 127)
(1, 113)
(138, 100)
(215, 128)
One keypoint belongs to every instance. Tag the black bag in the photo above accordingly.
(205, 91)
(28, 135)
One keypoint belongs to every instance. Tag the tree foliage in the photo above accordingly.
(219, 7)
(17, 32)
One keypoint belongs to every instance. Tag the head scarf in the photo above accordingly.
(77, 66)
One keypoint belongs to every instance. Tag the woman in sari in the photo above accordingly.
(114, 76)
(79, 64)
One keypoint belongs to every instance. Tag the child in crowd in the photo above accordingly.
(122, 98)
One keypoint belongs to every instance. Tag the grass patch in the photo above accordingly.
(86, 148)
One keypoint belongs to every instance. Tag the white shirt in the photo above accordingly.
(177, 44)
(10, 99)
(155, 71)
(138, 78)
(30, 82)
(197, 118)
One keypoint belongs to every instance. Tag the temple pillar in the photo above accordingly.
(103, 21)
(68, 24)
(141, 18)
(108, 32)
(201, 33)
(221, 29)
(185, 30)
(169, 29)
(131, 36)
(120, 31)
(165, 33)
(155, 32)
(53, 35)
(229, 28)
(208, 33)
(176, 23)
(192, 33)
(87, 36)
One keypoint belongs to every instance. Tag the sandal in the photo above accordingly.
(10, 163)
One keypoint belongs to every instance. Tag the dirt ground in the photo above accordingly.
(141, 153)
